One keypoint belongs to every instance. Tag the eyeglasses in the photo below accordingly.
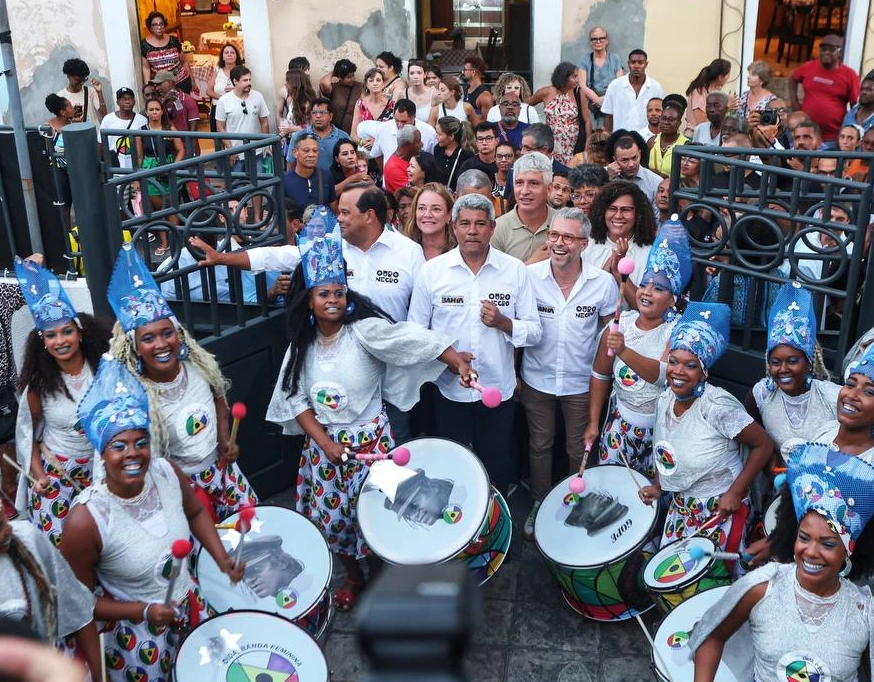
(598, 39)
(512, 105)
(621, 210)
(243, 103)
(504, 157)
(589, 196)
(566, 239)
(308, 136)
(490, 138)
(157, 24)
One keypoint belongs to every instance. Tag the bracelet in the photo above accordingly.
(146, 613)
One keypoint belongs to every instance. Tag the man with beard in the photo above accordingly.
(625, 101)
(510, 129)
(476, 93)
(653, 116)
(710, 132)
(862, 114)
(829, 86)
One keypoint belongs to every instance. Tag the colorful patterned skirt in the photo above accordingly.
(67, 476)
(139, 652)
(621, 437)
(327, 494)
(226, 486)
(687, 514)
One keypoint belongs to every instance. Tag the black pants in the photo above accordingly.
(489, 431)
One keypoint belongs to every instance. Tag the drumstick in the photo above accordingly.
(490, 396)
(102, 643)
(238, 412)
(625, 267)
(179, 549)
(631, 473)
(578, 484)
(653, 646)
(20, 470)
(697, 553)
(50, 456)
(247, 513)
(401, 456)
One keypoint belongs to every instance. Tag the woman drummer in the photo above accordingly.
(697, 436)
(637, 368)
(344, 359)
(187, 391)
(807, 620)
(120, 533)
(60, 358)
(796, 398)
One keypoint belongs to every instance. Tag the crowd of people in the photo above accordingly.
(443, 237)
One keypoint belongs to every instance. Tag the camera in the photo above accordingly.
(769, 117)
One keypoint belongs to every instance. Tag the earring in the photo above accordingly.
(670, 314)
(184, 351)
(139, 365)
(808, 381)
(846, 568)
(312, 320)
(770, 384)
(698, 391)
(349, 309)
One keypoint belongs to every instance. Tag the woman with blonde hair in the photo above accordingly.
(757, 97)
(512, 82)
(374, 105)
(429, 224)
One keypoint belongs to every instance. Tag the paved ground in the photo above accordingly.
(527, 632)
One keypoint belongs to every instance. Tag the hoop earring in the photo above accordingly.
(349, 309)
(846, 568)
(184, 351)
(698, 391)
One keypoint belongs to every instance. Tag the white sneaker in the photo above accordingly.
(528, 528)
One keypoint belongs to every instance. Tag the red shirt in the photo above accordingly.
(181, 116)
(827, 92)
(394, 173)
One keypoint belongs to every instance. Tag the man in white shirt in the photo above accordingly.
(123, 118)
(386, 141)
(483, 298)
(573, 300)
(79, 89)
(626, 98)
(243, 111)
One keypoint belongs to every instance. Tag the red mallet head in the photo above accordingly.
(577, 484)
(401, 456)
(181, 548)
(491, 396)
(626, 266)
(238, 410)
(247, 513)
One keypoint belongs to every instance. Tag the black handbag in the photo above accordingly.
(580, 146)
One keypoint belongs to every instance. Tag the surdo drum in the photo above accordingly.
(671, 661)
(245, 646)
(288, 569)
(437, 508)
(672, 576)
(593, 542)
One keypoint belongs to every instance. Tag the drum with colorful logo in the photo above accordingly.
(438, 507)
(672, 576)
(288, 569)
(671, 661)
(593, 542)
(249, 646)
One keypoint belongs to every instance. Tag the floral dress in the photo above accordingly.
(562, 116)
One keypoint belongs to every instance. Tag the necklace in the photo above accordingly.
(76, 382)
(173, 390)
(131, 501)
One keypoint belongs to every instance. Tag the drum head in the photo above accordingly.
(288, 565)
(672, 643)
(435, 514)
(672, 567)
(606, 522)
(244, 646)
(769, 522)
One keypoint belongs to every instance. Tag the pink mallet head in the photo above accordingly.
(238, 410)
(626, 265)
(577, 484)
(401, 456)
(491, 396)
(181, 548)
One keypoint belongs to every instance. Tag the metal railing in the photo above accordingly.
(771, 224)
